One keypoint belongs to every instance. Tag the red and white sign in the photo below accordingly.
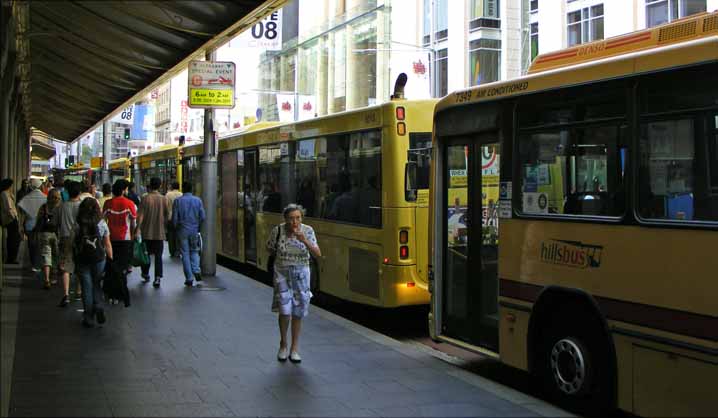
(183, 116)
(210, 84)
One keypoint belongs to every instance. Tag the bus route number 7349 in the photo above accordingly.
(463, 96)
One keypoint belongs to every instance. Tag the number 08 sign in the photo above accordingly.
(211, 84)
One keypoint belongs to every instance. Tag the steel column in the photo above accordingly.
(106, 150)
(209, 191)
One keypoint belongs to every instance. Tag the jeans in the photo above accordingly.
(154, 247)
(189, 248)
(90, 276)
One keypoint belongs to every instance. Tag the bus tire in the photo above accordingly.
(574, 362)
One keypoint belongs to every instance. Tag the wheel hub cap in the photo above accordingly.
(568, 366)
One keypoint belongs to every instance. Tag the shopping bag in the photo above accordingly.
(140, 256)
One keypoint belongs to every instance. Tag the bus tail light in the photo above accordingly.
(410, 284)
(404, 252)
(386, 260)
(403, 236)
(401, 129)
(400, 114)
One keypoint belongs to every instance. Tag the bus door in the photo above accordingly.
(250, 205)
(469, 299)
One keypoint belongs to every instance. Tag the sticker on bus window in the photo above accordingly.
(505, 190)
(505, 209)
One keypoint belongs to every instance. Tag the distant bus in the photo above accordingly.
(574, 220)
(362, 177)
(120, 168)
(162, 162)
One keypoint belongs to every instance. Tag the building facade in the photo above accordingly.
(558, 24)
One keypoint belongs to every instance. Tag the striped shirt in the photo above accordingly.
(120, 213)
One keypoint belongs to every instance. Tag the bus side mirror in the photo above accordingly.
(410, 181)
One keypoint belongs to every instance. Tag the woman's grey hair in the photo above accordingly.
(291, 208)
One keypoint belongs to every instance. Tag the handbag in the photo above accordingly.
(273, 256)
(140, 256)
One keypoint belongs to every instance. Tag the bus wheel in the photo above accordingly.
(574, 363)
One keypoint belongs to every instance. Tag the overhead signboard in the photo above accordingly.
(265, 34)
(126, 116)
(211, 84)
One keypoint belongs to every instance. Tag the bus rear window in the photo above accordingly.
(420, 153)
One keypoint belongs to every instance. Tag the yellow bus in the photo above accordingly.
(191, 169)
(594, 266)
(348, 170)
(162, 162)
(120, 168)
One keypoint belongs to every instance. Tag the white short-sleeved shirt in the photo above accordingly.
(291, 251)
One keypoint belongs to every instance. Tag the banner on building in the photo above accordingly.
(415, 64)
(307, 107)
(265, 34)
(285, 107)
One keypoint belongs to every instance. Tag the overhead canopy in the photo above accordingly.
(80, 61)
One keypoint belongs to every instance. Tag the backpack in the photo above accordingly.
(89, 247)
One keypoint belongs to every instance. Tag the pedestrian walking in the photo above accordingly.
(172, 195)
(29, 205)
(132, 194)
(187, 217)
(153, 214)
(9, 219)
(67, 215)
(23, 190)
(106, 195)
(46, 232)
(121, 217)
(292, 243)
(92, 247)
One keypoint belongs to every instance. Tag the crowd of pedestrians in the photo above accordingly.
(86, 238)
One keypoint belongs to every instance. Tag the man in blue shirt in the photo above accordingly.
(187, 216)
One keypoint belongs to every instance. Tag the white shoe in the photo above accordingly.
(295, 357)
(282, 354)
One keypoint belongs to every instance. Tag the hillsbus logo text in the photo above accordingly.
(571, 254)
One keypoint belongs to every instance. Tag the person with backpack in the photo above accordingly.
(67, 217)
(46, 230)
(91, 248)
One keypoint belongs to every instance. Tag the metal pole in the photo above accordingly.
(106, 151)
(209, 192)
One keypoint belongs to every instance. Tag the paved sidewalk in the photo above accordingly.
(211, 352)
